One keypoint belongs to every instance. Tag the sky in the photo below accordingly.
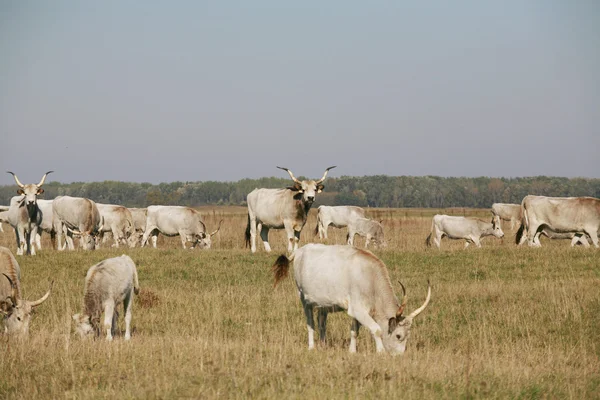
(214, 90)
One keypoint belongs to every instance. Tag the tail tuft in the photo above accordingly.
(520, 233)
(280, 269)
(428, 240)
(248, 232)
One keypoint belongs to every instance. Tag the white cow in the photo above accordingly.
(338, 216)
(139, 216)
(336, 278)
(559, 214)
(15, 310)
(119, 222)
(76, 215)
(174, 221)
(281, 209)
(469, 229)
(108, 284)
(508, 212)
(367, 228)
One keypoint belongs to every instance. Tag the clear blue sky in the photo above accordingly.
(195, 90)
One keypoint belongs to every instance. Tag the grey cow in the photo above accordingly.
(370, 229)
(76, 215)
(469, 229)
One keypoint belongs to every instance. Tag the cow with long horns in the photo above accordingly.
(281, 209)
(23, 214)
(336, 278)
(15, 309)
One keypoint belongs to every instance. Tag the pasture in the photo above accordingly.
(503, 322)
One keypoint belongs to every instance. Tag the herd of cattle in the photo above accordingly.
(328, 277)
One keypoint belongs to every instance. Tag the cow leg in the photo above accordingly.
(31, 240)
(109, 309)
(115, 323)
(296, 239)
(264, 236)
(580, 239)
(117, 236)
(467, 243)
(354, 334)
(253, 226)
(38, 240)
(127, 302)
(365, 319)
(322, 322)
(367, 240)
(149, 232)
(593, 234)
(310, 322)
(184, 239)
(20, 231)
(532, 232)
(476, 241)
(350, 237)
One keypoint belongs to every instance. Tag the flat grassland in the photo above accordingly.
(503, 322)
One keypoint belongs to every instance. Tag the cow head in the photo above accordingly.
(17, 312)
(203, 240)
(30, 193)
(83, 325)
(378, 238)
(497, 227)
(394, 340)
(88, 240)
(308, 189)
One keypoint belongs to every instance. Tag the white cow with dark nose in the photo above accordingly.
(469, 229)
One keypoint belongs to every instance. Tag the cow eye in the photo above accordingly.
(18, 318)
(399, 337)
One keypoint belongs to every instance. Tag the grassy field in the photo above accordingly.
(504, 322)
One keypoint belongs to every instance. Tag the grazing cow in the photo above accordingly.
(339, 217)
(23, 214)
(177, 220)
(336, 278)
(559, 214)
(281, 209)
(108, 284)
(79, 216)
(367, 228)
(470, 229)
(16, 310)
(508, 212)
(139, 216)
(119, 222)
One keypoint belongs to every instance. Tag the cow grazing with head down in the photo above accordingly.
(79, 216)
(107, 285)
(119, 222)
(338, 216)
(23, 214)
(508, 212)
(562, 215)
(15, 309)
(179, 221)
(336, 278)
(370, 229)
(281, 209)
(139, 216)
(469, 229)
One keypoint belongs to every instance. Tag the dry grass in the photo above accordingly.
(503, 322)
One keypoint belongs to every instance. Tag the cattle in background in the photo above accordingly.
(559, 214)
(338, 216)
(79, 216)
(15, 309)
(23, 214)
(139, 216)
(107, 285)
(281, 209)
(508, 212)
(179, 221)
(369, 229)
(119, 222)
(336, 278)
(469, 229)
(46, 222)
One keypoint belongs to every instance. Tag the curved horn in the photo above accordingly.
(75, 231)
(404, 300)
(44, 178)
(418, 310)
(215, 232)
(16, 179)
(291, 175)
(13, 296)
(325, 174)
(43, 298)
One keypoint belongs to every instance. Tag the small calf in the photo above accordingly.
(108, 284)
(367, 228)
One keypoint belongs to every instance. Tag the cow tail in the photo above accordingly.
(136, 283)
(524, 224)
(318, 223)
(281, 267)
(428, 240)
(248, 232)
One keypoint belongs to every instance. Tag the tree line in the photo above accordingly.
(366, 191)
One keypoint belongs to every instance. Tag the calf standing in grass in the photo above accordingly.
(367, 228)
(108, 284)
(469, 229)
(336, 278)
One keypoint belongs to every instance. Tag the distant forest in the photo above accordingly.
(366, 191)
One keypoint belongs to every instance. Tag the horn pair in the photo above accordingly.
(22, 186)
(297, 181)
(14, 295)
(405, 298)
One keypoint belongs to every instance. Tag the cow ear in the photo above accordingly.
(40, 191)
(292, 188)
(392, 323)
(20, 191)
(320, 188)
